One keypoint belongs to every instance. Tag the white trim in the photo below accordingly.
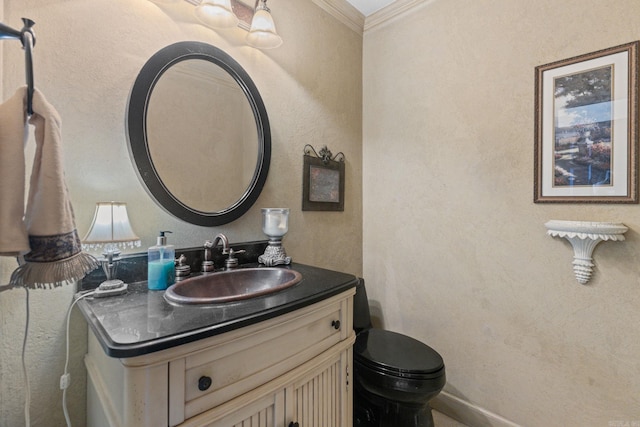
(387, 13)
(344, 12)
(468, 413)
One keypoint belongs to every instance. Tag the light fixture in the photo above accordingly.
(216, 14)
(111, 231)
(275, 224)
(262, 34)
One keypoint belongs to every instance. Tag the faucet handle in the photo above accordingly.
(181, 260)
(182, 268)
(232, 261)
(207, 263)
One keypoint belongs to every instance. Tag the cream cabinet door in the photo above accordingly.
(323, 397)
(267, 411)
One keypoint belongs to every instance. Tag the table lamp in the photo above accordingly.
(110, 230)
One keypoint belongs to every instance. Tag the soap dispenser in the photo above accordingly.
(161, 264)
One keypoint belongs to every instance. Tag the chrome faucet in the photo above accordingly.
(207, 264)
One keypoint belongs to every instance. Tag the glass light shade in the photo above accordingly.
(111, 227)
(262, 34)
(275, 222)
(216, 14)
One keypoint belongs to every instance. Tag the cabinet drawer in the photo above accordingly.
(239, 365)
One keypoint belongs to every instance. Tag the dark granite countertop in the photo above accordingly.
(142, 321)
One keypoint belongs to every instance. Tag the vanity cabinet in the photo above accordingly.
(294, 368)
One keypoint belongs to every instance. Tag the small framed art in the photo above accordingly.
(323, 181)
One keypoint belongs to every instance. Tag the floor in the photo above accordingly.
(441, 420)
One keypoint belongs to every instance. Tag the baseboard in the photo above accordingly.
(468, 413)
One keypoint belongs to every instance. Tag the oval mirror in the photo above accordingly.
(199, 134)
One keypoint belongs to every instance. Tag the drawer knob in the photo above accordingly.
(336, 324)
(292, 424)
(204, 383)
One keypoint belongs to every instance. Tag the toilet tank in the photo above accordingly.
(361, 315)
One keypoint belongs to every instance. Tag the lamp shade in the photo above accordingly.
(216, 13)
(111, 226)
(262, 34)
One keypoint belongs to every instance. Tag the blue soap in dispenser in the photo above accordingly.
(161, 271)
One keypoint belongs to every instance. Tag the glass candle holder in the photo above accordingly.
(275, 224)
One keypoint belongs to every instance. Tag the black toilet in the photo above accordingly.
(395, 375)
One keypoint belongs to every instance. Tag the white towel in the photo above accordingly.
(14, 239)
(55, 254)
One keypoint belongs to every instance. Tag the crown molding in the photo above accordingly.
(344, 12)
(387, 13)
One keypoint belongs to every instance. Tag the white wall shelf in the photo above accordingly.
(584, 236)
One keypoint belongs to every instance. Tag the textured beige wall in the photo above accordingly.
(87, 57)
(455, 251)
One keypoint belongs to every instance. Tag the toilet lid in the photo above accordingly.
(395, 353)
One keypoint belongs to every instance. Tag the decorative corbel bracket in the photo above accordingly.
(584, 236)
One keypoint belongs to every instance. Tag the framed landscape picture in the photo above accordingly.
(586, 132)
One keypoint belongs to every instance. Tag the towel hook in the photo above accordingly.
(28, 40)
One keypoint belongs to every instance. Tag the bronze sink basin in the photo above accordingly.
(231, 285)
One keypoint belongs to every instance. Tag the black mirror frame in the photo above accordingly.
(137, 135)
